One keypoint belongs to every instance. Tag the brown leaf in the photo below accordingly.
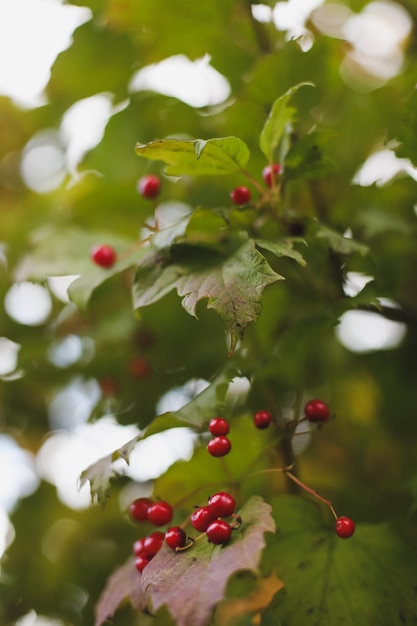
(256, 601)
(192, 583)
(121, 585)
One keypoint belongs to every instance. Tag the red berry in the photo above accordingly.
(240, 195)
(152, 544)
(102, 255)
(202, 517)
(262, 419)
(316, 411)
(270, 172)
(219, 446)
(345, 527)
(138, 546)
(219, 426)
(139, 368)
(139, 509)
(175, 537)
(149, 186)
(222, 504)
(160, 513)
(141, 562)
(219, 532)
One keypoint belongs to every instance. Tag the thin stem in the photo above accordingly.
(311, 491)
(254, 182)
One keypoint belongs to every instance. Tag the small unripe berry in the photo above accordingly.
(219, 446)
(262, 419)
(240, 195)
(149, 186)
(219, 532)
(270, 172)
(218, 426)
(345, 527)
(104, 256)
(316, 411)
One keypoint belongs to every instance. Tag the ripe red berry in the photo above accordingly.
(345, 527)
(139, 509)
(139, 368)
(175, 537)
(222, 504)
(219, 532)
(218, 426)
(152, 544)
(160, 513)
(262, 419)
(141, 562)
(104, 256)
(240, 195)
(149, 186)
(270, 172)
(138, 546)
(201, 518)
(219, 446)
(316, 411)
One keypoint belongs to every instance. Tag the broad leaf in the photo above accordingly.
(278, 122)
(198, 157)
(340, 243)
(368, 579)
(233, 286)
(307, 158)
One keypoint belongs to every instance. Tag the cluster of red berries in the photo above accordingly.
(219, 444)
(242, 195)
(207, 519)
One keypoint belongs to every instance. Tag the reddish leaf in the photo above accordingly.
(120, 586)
(192, 583)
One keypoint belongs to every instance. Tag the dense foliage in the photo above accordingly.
(235, 303)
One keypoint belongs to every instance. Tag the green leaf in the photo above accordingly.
(282, 248)
(329, 580)
(405, 129)
(232, 285)
(306, 159)
(227, 155)
(278, 122)
(339, 243)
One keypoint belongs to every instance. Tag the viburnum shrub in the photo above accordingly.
(271, 264)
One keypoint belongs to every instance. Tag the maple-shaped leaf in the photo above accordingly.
(193, 582)
(368, 579)
(232, 285)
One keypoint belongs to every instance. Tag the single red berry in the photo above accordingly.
(139, 509)
(201, 518)
(262, 419)
(270, 172)
(316, 411)
(149, 186)
(152, 544)
(240, 195)
(175, 537)
(345, 527)
(138, 546)
(219, 532)
(104, 256)
(222, 504)
(160, 513)
(218, 426)
(141, 562)
(219, 446)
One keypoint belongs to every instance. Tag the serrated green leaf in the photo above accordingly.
(278, 122)
(213, 157)
(231, 285)
(282, 248)
(329, 580)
